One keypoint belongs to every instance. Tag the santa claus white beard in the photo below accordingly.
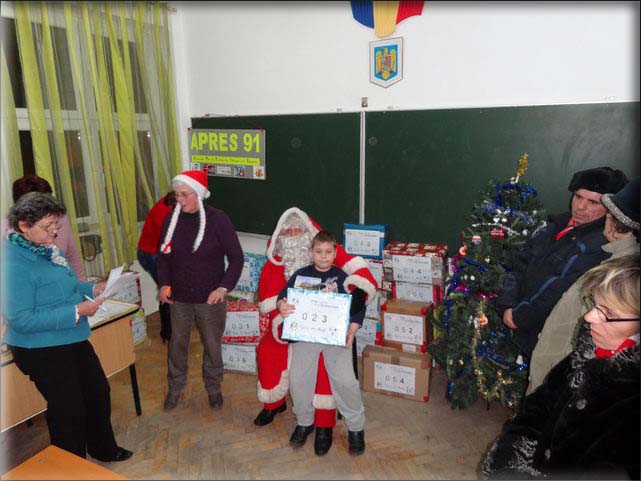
(295, 252)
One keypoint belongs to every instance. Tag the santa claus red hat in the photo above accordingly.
(197, 181)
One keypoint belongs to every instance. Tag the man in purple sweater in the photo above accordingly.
(193, 280)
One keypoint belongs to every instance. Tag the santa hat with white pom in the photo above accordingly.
(197, 181)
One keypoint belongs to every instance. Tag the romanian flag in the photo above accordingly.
(383, 16)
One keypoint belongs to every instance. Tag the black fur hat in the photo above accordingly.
(603, 180)
(624, 205)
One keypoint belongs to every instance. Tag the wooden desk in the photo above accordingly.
(55, 463)
(113, 342)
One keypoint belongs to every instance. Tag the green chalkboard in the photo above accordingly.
(426, 168)
(312, 162)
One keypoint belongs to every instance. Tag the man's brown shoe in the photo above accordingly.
(216, 400)
(171, 401)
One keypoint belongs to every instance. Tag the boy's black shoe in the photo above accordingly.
(356, 441)
(323, 440)
(266, 416)
(299, 436)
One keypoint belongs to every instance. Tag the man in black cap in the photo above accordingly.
(558, 334)
(552, 260)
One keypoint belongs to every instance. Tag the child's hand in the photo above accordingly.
(351, 332)
(284, 308)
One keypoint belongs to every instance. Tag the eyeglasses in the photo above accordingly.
(50, 227)
(603, 317)
(183, 195)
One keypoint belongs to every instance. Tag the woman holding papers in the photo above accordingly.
(194, 280)
(47, 330)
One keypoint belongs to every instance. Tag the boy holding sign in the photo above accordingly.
(326, 277)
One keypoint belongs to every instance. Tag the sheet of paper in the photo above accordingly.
(116, 281)
(112, 308)
(113, 275)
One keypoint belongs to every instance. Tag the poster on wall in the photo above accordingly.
(228, 152)
(386, 61)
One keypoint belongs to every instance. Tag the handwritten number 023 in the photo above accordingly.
(305, 316)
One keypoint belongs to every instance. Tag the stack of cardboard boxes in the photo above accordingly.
(244, 325)
(368, 241)
(244, 328)
(413, 275)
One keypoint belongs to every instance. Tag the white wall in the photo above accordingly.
(303, 57)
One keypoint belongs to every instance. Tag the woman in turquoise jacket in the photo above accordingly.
(45, 312)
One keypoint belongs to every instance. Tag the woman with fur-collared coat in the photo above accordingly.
(583, 421)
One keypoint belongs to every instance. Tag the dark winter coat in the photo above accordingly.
(543, 270)
(582, 422)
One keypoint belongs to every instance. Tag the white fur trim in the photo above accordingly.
(292, 210)
(324, 401)
(276, 393)
(362, 283)
(277, 321)
(267, 305)
(194, 185)
(355, 264)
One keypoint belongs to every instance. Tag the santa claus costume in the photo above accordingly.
(284, 256)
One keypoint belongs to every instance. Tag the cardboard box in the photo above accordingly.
(405, 325)
(365, 240)
(415, 262)
(397, 373)
(244, 322)
(239, 357)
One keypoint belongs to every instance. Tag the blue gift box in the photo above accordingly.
(253, 265)
(365, 240)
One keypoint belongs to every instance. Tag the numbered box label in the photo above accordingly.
(400, 379)
(412, 269)
(239, 358)
(241, 323)
(363, 242)
(414, 292)
(403, 328)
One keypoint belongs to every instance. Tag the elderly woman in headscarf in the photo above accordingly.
(194, 280)
(583, 421)
(47, 332)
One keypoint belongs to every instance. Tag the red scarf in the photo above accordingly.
(607, 353)
(566, 230)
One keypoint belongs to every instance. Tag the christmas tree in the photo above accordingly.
(471, 342)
